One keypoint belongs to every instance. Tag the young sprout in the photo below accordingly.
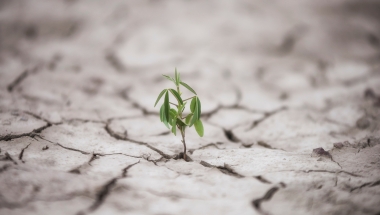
(173, 117)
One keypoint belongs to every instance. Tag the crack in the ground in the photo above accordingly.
(116, 153)
(115, 62)
(40, 117)
(231, 136)
(368, 184)
(223, 169)
(5, 168)
(77, 170)
(220, 107)
(172, 196)
(326, 171)
(94, 154)
(34, 198)
(92, 158)
(267, 197)
(8, 157)
(22, 153)
(163, 133)
(21, 78)
(83, 120)
(65, 147)
(266, 145)
(125, 170)
(147, 158)
(105, 191)
(120, 137)
(191, 151)
(228, 170)
(335, 162)
(234, 106)
(122, 117)
(31, 134)
(266, 116)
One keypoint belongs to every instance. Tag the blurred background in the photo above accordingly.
(277, 79)
(261, 54)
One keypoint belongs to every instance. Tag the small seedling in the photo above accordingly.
(173, 118)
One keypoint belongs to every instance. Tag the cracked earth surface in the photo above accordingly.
(290, 94)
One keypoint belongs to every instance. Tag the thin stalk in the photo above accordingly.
(173, 104)
(184, 144)
(182, 129)
(189, 98)
(179, 92)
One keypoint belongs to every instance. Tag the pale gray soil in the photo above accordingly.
(277, 79)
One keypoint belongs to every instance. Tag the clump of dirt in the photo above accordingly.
(320, 152)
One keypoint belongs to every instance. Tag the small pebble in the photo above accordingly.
(362, 123)
(338, 145)
(346, 143)
(318, 152)
(45, 148)
(247, 145)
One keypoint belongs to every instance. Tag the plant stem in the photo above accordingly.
(173, 104)
(189, 98)
(184, 144)
(181, 129)
(179, 92)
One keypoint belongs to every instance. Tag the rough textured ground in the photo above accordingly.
(79, 133)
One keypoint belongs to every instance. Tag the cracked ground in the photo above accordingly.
(290, 96)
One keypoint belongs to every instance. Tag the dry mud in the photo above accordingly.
(290, 93)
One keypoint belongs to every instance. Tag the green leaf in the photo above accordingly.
(174, 126)
(163, 117)
(162, 113)
(188, 118)
(177, 96)
(183, 107)
(188, 87)
(166, 105)
(196, 113)
(199, 108)
(199, 127)
(181, 122)
(169, 78)
(192, 104)
(159, 97)
(173, 111)
(172, 114)
(177, 77)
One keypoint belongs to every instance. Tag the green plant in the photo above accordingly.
(173, 118)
